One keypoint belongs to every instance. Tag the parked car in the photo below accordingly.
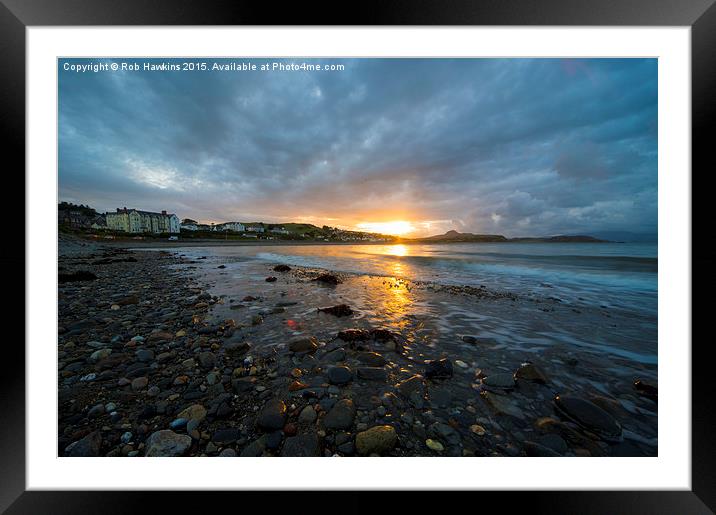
(173, 238)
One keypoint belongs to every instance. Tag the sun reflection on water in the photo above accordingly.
(396, 250)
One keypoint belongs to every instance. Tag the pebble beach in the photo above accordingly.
(169, 352)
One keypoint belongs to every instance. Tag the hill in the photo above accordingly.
(458, 237)
(454, 236)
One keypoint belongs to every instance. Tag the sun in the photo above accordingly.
(397, 228)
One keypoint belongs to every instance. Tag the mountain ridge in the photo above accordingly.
(458, 237)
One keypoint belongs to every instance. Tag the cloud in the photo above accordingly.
(540, 145)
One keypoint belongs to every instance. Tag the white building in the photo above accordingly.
(279, 230)
(136, 221)
(230, 226)
(255, 228)
(189, 225)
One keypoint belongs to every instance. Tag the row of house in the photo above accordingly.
(79, 216)
(191, 225)
(136, 221)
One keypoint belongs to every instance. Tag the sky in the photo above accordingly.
(519, 147)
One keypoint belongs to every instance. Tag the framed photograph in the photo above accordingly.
(443, 248)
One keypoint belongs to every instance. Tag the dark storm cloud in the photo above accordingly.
(515, 146)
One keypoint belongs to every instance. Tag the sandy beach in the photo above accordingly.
(184, 352)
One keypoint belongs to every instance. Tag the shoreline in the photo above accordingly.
(207, 362)
(163, 243)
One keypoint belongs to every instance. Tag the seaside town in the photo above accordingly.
(140, 224)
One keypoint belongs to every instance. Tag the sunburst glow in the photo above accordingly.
(396, 228)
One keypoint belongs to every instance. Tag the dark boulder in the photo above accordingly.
(438, 368)
(327, 278)
(272, 416)
(589, 416)
(80, 275)
(341, 310)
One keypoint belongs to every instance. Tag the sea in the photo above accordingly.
(611, 275)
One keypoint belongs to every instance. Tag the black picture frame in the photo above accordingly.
(17, 15)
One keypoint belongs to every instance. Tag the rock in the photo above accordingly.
(96, 411)
(589, 416)
(129, 300)
(303, 445)
(296, 385)
(227, 453)
(221, 266)
(434, 445)
(281, 268)
(273, 440)
(303, 345)
(271, 279)
(226, 436)
(445, 433)
(499, 381)
(502, 404)
(382, 335)
(334, 356)
(257, 320)
(341, 416)
(376, 440)
(193, 412)
(80, 275)
(147, 412)
(167, 443)
(341, 310)
(477, 429)
(531, 372)
(438, 368)
(646, 389)
(144, 355)
(461, 364)
(89, 446)
(372, 373)
(327, 278)
(352, 335)
(255, 448)
(139, 383)
(413, 389)
(207, 360)
(178, 423)
(160, 336)
(307, 415)
(553, 441)
(272, 415)
(339, 375)
(100, 354)
(235, 347)
(372, 359)
(469, 339)
(535, 449)
(191, 426)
